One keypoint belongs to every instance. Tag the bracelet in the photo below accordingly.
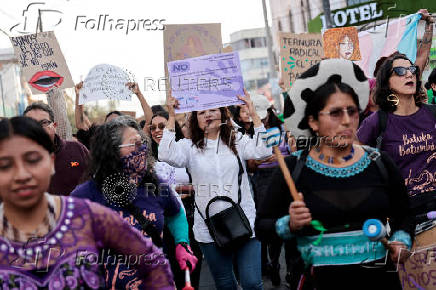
(171, 129)
(282, 228)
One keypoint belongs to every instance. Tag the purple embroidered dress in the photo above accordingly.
(72, 255)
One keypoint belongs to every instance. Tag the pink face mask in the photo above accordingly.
(135, 164)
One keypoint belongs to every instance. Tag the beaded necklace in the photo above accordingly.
(332, 159)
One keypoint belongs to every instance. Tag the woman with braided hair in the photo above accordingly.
(342, 185)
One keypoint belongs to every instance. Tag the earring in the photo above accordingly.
(393, 99)
(53, 172)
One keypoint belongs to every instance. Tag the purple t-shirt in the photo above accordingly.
(410, 141)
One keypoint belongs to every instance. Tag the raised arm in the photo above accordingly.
(253, 148)
(79, 116)
(148, 113)
(174, 153)
(425, 44)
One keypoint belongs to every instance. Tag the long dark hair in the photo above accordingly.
(317, 100)
(226, 131)
(25, 127)
(105, 153)
(236, 119)
(382, 89)
(431, 80)
(179, 133)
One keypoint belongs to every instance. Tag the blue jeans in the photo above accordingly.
(221, 265)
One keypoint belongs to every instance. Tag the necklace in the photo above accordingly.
(331, 159)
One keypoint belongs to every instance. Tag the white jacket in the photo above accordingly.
(214, 172)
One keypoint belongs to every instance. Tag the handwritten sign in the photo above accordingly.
(42, 62)
(342, 43)
(298, 52)
(105, 82)
(419, 271)
(182, 41)
(206, 82)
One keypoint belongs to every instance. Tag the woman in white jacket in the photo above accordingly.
(211, 158)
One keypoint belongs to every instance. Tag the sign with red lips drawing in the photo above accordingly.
(42, 62)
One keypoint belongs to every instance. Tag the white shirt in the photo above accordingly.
(214, 172)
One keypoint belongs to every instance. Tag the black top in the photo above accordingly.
(340, 203)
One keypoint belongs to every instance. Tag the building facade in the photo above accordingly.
(253, 55)
(13, 99)
(294, 15)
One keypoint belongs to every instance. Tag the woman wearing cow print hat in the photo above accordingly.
(341, 185)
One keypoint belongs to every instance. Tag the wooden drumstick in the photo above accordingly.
(287, 174)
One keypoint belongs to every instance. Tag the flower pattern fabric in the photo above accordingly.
(70, 256)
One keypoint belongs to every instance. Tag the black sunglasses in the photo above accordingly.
(401, 70)
(161, 126)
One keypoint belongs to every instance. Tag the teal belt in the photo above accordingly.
(339, 249)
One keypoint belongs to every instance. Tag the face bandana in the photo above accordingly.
(135, 164)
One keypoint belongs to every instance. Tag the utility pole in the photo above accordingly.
(3, 97)
(273, 74)
(327, 14)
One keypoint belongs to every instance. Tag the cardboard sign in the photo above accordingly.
(206, 82)
(342, 43)
(182, 41)
(105, 82)
(419, 271)
(42, 62)
(298, 52)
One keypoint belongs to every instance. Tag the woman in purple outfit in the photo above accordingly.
(56, 242)
(410, 130)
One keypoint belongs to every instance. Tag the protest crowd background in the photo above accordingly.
(320, 176)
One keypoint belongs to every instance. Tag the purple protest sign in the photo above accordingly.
(206, 82)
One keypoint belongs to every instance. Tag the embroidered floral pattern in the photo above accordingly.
(341, 172)
(83, 230)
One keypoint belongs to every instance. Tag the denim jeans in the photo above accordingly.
(248, 261)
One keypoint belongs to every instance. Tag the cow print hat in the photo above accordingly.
(347, 72)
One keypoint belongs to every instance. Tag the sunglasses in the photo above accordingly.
(44, 123)
(161, 126)
(137, 144)
(402, 71)
(338, 113)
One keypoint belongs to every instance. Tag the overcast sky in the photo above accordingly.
(140, 51)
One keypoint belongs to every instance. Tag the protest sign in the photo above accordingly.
(298, 52)
(419, 271)
(105, 82)
(183, 41)
(206, 82)
(42, 62)
(341, 43)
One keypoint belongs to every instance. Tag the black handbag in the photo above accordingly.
(229, 228)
